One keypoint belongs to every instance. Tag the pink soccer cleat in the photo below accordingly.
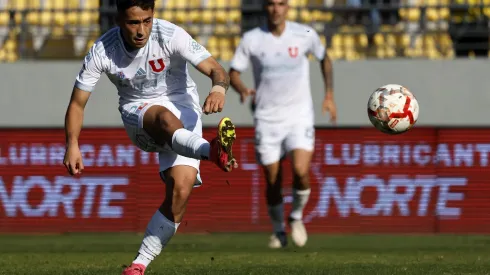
(221, 153)
(134, 269)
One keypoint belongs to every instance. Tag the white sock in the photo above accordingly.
(158, 233)
(276, 214)
(189, 144)
(300, 199)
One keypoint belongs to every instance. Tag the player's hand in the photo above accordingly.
(329, 106)
(73, 160)
(214, 103)
(245, 94)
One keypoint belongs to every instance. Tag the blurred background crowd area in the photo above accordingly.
(351, 29)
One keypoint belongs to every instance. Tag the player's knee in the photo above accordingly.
(180, 196)
(273, 175)
(301, 177)
(301, 170)
(168, 121)
(273, 179)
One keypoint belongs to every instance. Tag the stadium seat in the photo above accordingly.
(4, 18)
(3, 55)
(179, 11)
(415, 49)
(225, 48)
(9, 50)
(336, 50)
(436, 16)
(432, 14)
(221, 11)
(89, 16)
(212, 46)
(354, 42)
(41, 17)
(430, 48)
(10, 45)
(294, 14)
(446, 45)
(18, 6)
(226, 30)
(409, 14)
(234, 14)
(319, 15)
(236, 41)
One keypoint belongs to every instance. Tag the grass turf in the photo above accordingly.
(217, 254)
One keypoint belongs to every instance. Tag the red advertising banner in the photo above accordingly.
(425, 181)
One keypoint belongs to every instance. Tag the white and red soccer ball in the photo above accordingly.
(393, 109)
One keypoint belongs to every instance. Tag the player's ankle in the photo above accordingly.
(143, 260)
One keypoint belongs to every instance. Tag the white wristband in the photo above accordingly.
(219, 89)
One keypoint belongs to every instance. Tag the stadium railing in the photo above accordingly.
(351, 29)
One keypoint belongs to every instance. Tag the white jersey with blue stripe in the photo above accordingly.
(157, 71)
(281, 70)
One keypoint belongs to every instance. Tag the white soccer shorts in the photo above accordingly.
(132, 115)
(274, 140)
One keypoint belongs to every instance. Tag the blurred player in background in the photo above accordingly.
(283, 112)
(146, 59)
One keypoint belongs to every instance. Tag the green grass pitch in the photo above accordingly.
(77, 254)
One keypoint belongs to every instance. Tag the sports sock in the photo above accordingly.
(189, 144)
(300, 199)
(158, 233)
(276, 214)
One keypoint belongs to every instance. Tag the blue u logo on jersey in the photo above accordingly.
(121, 75)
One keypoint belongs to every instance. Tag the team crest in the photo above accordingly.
(120, 75)
(293, 51)
(157, 66)
(195, 47)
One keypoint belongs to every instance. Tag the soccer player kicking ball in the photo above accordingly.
(146, 59)
(284, 118)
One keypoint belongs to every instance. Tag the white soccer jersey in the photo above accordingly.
(281, 70)
(157, 71)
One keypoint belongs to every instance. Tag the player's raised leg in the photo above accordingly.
(179, 181)
(273, 177)
(164, 127)
(301, 160)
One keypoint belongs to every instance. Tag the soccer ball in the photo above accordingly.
(393, 109)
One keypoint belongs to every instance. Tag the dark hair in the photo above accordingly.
(123, 5)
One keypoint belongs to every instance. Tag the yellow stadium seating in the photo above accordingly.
(434, 13)
(4, 18)
(8, 53)
(212, 46)
(179, 11)
(225, 11)
(220, 29)
(409, 14)
(88, 17)
(336, 50)
(45, 17)
(225, 48)
(318, 15)
(294, 5)
(446, 45)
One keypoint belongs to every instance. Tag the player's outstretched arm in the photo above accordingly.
(215, 101)
(73, 125)
(240, 87)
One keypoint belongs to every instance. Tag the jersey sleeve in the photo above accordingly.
(317, 47)
(91, 71)
(189, 48)
(241, 58)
